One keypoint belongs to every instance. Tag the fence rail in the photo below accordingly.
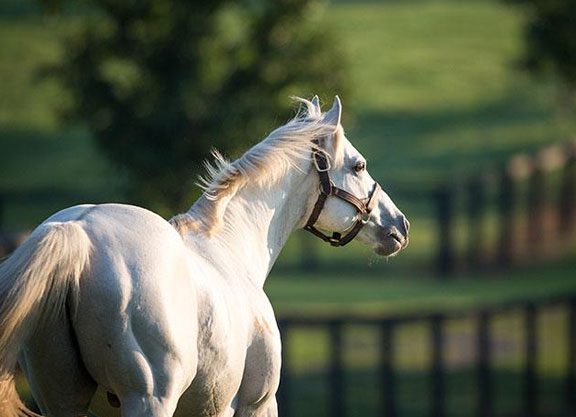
(388, 327)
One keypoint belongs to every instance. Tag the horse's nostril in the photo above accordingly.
(396, 237)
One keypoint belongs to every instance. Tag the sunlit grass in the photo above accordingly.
(345, 292)
(420, 55)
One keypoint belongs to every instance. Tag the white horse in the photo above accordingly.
(173, 314)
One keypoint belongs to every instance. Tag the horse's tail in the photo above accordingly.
(35, 282)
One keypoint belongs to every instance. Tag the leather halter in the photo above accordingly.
(327, 188)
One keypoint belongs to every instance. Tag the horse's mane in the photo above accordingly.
(263, 165)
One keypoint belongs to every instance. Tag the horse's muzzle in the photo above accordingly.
(392, 239)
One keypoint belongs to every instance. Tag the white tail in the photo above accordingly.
(34, 284)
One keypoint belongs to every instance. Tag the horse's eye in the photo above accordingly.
(360, 166)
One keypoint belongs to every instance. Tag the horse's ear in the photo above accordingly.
(334, 115)
(316, 103)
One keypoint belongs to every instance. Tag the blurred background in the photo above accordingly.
(465, 110)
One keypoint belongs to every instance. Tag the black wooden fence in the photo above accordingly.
(531, 202)
(484, 376)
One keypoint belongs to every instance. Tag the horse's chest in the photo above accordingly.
(262, 369)
(237, 371)
(217, 380)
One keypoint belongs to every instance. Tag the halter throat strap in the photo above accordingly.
(327, 189)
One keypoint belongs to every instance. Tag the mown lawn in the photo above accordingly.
(361, 293)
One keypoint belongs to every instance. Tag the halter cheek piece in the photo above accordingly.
(327, 188)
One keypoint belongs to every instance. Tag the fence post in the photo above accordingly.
(445, 213)
(308, 253)
(438, 390)
(536, 210)
(476, 204)
(530, 382)
(2, 211)
(506, 206)
(4, 245)
(568, 194)
(284, 388)
(484, 352)
(387, 378)
(571, 369)
(336, 398)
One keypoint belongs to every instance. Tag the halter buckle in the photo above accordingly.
(326, 158)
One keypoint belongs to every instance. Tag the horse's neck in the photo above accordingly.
(256, 225)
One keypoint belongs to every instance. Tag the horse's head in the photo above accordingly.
(350, 203)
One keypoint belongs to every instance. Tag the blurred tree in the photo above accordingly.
(550, 38)
(161, 82)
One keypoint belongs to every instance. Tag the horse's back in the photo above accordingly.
(136, 318)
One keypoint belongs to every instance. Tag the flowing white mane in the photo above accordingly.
(263, 165)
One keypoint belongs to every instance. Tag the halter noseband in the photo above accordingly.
(327, 188)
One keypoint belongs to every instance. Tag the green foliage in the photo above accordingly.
(161, 82)
(551, 38)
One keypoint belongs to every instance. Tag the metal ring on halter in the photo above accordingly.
(364, 217)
